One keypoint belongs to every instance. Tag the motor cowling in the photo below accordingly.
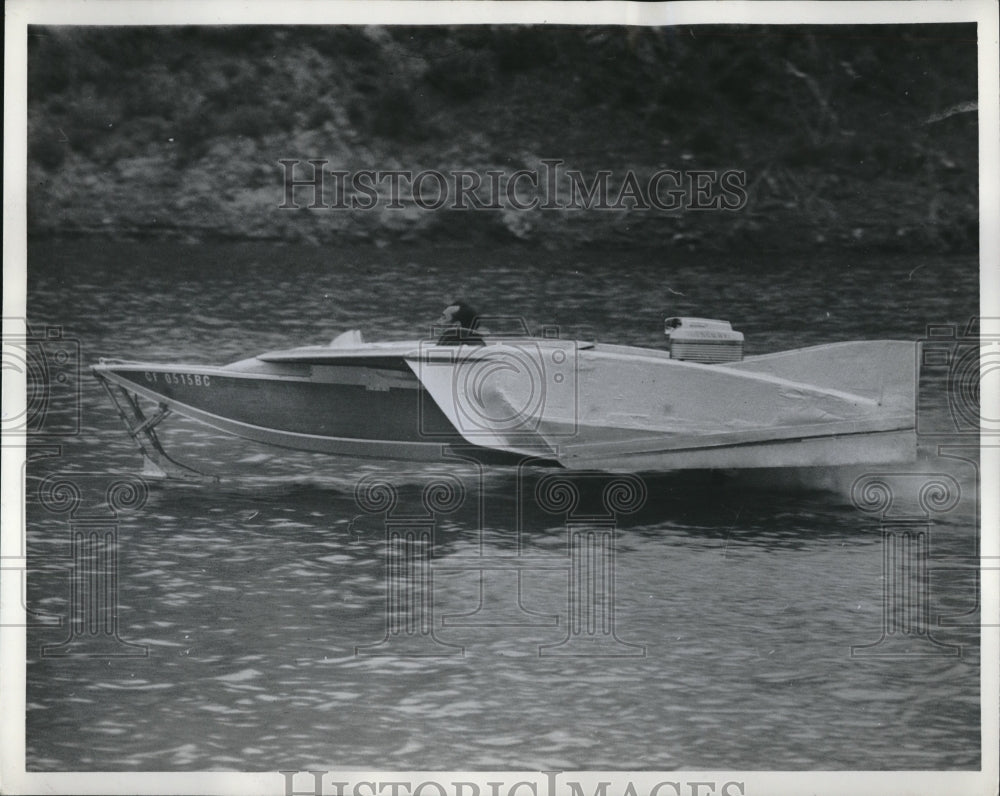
(704, 340)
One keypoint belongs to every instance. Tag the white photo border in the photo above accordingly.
(21, 13)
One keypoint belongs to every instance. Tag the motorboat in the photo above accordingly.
(696, 403)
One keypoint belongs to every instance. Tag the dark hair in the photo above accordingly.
(465, 315)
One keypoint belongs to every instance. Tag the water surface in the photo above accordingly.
(737, 600)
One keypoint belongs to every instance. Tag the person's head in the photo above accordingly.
(460, 314)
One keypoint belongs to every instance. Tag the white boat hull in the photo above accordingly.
(578, 405)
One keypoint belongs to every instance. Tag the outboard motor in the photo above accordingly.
(703, 340)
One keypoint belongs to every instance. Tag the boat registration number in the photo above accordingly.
(195, 379)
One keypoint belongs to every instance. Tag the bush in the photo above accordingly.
(47, 150)
(523, 48)
(462, 75)
(395, 114)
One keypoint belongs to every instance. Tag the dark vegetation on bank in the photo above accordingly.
(850, 136)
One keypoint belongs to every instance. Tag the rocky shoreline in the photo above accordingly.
(179, 135)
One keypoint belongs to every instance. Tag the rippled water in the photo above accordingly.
(260, 603)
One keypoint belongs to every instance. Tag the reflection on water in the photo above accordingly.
(274, 607)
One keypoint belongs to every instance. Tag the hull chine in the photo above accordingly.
(578, 405)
